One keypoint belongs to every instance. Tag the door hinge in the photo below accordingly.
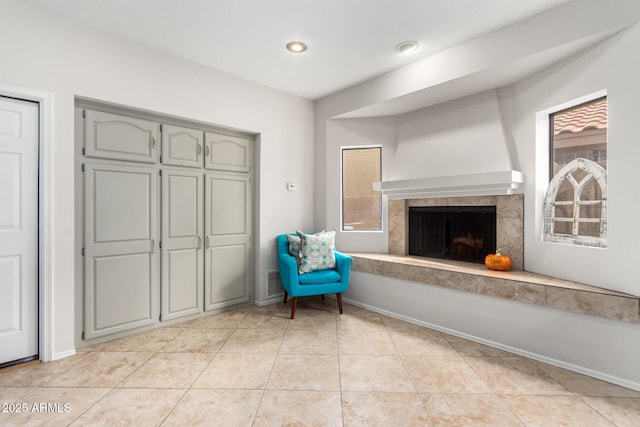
(84, 116)
(160, 318)
(82, 167)
(83, 152)
(160, 171)
(82, 335)
(82, 251)
(161, 127)
(160, 244)
(160, 159)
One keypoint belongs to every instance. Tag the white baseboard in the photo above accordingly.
(63, 354)
(271, 300)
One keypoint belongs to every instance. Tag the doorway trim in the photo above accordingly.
(45, 225)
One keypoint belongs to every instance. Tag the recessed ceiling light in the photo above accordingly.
(407, 47)
(296, 47)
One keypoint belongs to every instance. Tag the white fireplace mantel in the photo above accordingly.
(477, 184)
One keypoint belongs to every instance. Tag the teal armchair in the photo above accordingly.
(320, 282)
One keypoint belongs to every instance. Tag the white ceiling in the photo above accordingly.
(350, 41)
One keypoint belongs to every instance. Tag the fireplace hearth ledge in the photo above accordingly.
(521, 286)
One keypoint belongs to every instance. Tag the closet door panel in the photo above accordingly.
(227, 153)
(181, 146)
(122, 293)
(229, 266)
(182, 231)
(228, 239)
(111, 136)
(120, 248)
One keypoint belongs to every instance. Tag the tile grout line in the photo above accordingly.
(266, 383)
(417, 393)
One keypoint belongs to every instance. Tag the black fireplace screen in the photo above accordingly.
(463, 233)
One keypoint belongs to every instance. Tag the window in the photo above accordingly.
(361, 205)
(575, 206)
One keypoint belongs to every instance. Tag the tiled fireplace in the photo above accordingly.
(516, 285)
(509, 222)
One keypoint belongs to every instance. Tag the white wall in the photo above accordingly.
(351, 133)
(614, 66)
(51, 54)
(599, 347)
(459, 137)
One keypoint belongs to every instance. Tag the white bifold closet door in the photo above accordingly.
(182, 243)
(121, 284)
(228, 239)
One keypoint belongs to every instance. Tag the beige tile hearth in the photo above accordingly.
(245, 368)
(520, 286)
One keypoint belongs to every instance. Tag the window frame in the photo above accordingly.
(342, 207)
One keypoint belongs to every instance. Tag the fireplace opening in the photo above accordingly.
(462, 233)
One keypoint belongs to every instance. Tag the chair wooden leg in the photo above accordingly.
(294, 302)
(339, 298)
(285, 296)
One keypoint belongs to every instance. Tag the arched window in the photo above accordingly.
(575, 206)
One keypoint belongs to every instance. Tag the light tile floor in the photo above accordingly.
(255, 367)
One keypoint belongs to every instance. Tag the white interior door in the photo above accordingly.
(228, 239)
(121, 286)
(182, 241)
(18, 229)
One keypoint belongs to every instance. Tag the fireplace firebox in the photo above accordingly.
(462, 233)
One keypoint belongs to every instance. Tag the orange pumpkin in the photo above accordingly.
(498, 261)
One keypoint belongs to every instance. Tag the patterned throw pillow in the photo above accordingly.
(316, 251)
(294, 245)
